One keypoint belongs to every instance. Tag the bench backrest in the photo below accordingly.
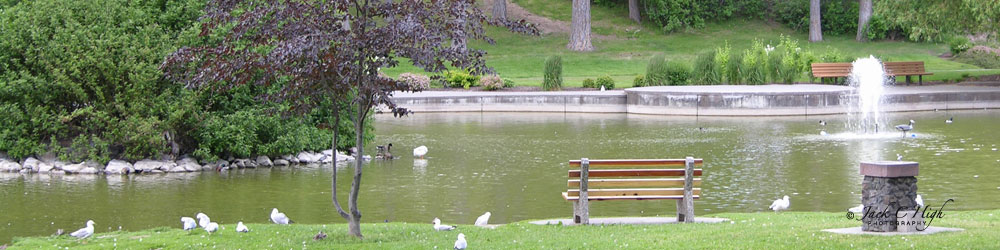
(904, 68)
(831, 69)
(648, 178)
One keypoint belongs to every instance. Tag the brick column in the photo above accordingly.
(888, 186)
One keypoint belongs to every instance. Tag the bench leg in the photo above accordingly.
(921, 77)
(908, 80)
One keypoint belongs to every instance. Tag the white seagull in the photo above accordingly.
(919, 200)
(858, 209)
(899, 157)
(483, 219)
(84, 232)
(822, 123)
(212, 227)
(950, 120)
(823, 133)
(460, 242)
(279, 218)
(780, 204)
(241, 228)
(905, 127)
(188, 223)
(439, 227)
(202, 220)
(420, 152)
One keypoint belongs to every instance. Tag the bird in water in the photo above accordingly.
(420, 152)
(822, 123)
(905, 127)
(384, 152)
(950, 120)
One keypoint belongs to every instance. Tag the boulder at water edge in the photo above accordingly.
(281, 162)
(118, 167)
(9, 166)
(264, 161)
(30, 164)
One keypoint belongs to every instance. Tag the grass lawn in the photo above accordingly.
(747, 230)
(623, 55)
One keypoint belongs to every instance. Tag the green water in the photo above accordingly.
(514, 165)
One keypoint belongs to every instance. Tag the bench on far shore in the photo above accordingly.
(633, 179)
(893, 69)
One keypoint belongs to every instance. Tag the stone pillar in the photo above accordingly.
(888, 187)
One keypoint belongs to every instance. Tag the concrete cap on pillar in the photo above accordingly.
(890, 168)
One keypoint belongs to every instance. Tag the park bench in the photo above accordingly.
(893, 69)
(907, 69)
(633, 179)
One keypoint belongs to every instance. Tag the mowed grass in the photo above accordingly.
(764, 230)
(624, 48)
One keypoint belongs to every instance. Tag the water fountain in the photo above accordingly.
(864, 110)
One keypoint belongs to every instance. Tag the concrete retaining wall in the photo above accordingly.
(770, 100)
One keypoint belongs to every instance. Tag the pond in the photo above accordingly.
(514, 165)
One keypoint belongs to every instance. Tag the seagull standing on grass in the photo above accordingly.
(919, 200)
(202, 220)
(858, 209)
(950, 120)
(460, 242)
(212, 227)
(439, 227)
(420, 152)
(483, 220)
(84, 232)
(241, 228)
(188, 223)
(279, 218)
(780, 204)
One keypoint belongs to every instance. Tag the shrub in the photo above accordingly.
(492, 82)
(754, 68)
(656, 71)
(460, 79)
(734, 68)
(959, 44)
(553, 73)
(605, 81)
(507, 83)
(639, 81)
(980, 57)
(678, 73)
(721, 61)
(588, 83)
(833, 55)
(706, 71)
(415, 81)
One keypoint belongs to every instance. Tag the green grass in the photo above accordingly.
(623, 55)
(747, 231)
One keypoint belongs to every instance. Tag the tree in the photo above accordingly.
(864, 15)
(579, 37)
(333, 49)
(500, 9)
(924, 20)
(815, 27)
(633, 11)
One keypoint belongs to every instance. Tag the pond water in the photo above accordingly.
(514, 165)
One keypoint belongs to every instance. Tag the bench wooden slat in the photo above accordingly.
(641, 197)
(633, 191)
(636, 162)
(634, 172)
(602, 183)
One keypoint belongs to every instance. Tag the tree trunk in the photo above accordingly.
(815, 26)
(354, 222)
(864, 15)
(333, 185)
(500, 10)
(579, 38)
(633, 11)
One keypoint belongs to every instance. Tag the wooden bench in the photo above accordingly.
(907, 69)
(654, 179)
(831, 70)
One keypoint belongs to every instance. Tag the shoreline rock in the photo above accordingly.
(51, 165)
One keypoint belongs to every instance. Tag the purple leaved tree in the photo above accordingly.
(333, 49)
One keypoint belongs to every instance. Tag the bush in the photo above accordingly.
(706, 71)
(460, 79)
(589, 83)
(656, 71)
(675, 15)
(492, 82)
(415, 81)
(959, 44)
(639, 81)
(553, 73)
(754, 66)
(981, 58)
(605, 81)
(734, 68)
(507, 83)
(678, 73)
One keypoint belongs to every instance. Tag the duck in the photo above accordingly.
(384, 152)
(780, 204)
(420, 151)
(84, 232)
(905, 127)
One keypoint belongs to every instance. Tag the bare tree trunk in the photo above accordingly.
(864, 15)
(579, 38)
(333, 185)
(354, 222)
(815, 26)
(633, 11)
(500, 10)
